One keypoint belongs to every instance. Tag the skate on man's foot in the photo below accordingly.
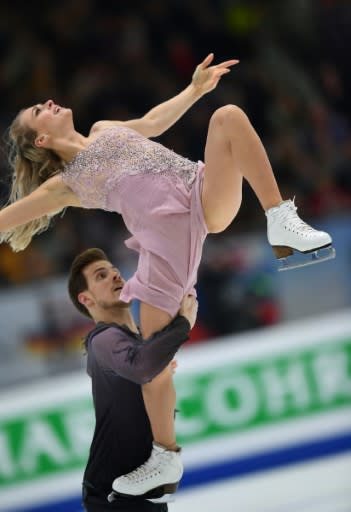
(150, 496)
(158, 476)
(287, 233)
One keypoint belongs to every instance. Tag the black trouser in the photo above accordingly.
(93, 502)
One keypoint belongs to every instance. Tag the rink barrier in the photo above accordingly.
(250, 401)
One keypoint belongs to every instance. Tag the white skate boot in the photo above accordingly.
(158, 476)
(288, 233)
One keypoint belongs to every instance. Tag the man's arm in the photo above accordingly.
(138, 360)
(164, 115)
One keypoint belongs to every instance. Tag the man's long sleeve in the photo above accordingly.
(127, 355)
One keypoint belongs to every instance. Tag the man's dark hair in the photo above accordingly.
(76, 281)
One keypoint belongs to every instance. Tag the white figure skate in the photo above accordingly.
(287, 233)
(157, 477)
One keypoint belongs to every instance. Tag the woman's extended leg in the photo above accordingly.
(159, 394)
(164, 468)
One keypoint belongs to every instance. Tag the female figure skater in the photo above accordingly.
(168, 203)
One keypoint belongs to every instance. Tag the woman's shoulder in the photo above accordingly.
(55, 183)
(57, 186)
(101, 126)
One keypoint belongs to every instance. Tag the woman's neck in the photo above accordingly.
(67, 146)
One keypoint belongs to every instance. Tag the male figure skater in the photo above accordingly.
(118, 362)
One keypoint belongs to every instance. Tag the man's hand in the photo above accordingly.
(206, 78)
(188, 308)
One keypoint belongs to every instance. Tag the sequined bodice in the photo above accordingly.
(117, 153)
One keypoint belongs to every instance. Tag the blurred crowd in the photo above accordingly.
(116, 60)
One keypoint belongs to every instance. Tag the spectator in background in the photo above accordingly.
(89, 65)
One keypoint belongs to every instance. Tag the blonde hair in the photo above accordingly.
(31, 167)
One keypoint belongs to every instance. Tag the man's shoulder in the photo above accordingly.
(103, 329)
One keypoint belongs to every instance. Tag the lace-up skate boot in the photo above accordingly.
(288, 233)
(159, 475)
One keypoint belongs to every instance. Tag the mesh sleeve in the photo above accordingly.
(136, 359)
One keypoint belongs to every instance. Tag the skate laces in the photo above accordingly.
(147, 470)
(141, 473)
(287, 215)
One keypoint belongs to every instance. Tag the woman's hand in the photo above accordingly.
(188, 308)
(206, 77)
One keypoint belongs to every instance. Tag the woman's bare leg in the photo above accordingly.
(159, 394)
(233, 152)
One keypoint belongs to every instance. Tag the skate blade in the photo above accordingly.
(166, 498)
(158, 493)
(299, 260)
(111, 497)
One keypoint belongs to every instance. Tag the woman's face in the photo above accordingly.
(47, 118)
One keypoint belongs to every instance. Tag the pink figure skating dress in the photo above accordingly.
(158, 194)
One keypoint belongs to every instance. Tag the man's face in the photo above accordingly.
(104, 286)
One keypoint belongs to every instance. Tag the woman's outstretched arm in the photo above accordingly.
(164, 115)
(52, 196)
